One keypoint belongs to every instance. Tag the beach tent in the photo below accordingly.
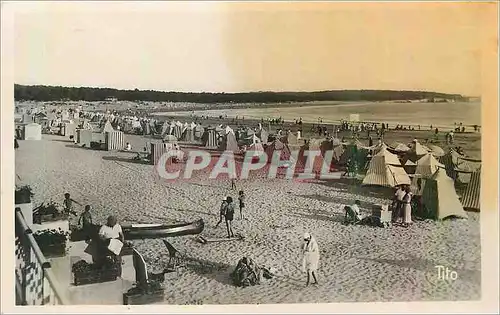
(410, 166)
(416, 151)
(385, 170)
(252, 139)
(427, 165)
(165, 129)
(263, 135)
(472, 195)
(439, 197)
(198, 132)
(256, 149)
(290, 139)
(170, 138)
(107, 127)
(32, 131)
(399, 147)
(210, 138)
(188, 134)
(435, 150)
(229, 143)
(277, 145)
(459, 167)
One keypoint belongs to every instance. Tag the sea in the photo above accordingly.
(441, 115)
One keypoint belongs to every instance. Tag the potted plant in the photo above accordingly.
(23, 194)
(49, 212)
(52, 242)
(85, 273)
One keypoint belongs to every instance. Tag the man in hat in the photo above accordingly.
(310, 259)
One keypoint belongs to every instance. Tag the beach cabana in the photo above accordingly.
(32, 131)
(229, 143)
(84, 137)
(472, 196)
(440, 199)
(114, 140)
(210, 138)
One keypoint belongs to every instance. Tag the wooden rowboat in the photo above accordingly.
(142, 231)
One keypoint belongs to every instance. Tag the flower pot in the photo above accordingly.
(22, 197)
(135, 296)
(92, 275)
(53, 250)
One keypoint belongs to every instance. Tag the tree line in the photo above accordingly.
(60, 93)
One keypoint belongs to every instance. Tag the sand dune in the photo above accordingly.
(358, 263)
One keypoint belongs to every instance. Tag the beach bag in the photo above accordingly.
(246, 273)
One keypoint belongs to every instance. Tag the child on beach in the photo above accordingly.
(68, 204)
(85, 221)
(241, 198)
(229, 217)
(233, 184)
(222, 212)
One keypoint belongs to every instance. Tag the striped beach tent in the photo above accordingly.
(157, 150)
(386, 170)
(210, 138)
(427, 165)
(472, 195)
(114, 140)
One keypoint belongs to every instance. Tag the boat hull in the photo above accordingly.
(138, 231)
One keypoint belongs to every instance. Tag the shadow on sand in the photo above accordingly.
(212, 270)
(62, 140)
(124, 159)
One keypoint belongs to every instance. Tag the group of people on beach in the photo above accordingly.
(401, 206)
(107, 233)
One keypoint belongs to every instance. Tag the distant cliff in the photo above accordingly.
(59, 93)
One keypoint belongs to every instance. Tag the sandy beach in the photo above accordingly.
(358, 263)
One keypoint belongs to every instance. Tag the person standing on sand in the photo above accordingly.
(407, 206)
(310, 259)
(398, 204)
(241, 199)
(233, 184)
(68, 204)
(229, 217)
(86, 221)
(222, 212)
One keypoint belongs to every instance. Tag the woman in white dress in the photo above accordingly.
(407, 206)
(310, 260)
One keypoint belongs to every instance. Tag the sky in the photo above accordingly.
(235, 47)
